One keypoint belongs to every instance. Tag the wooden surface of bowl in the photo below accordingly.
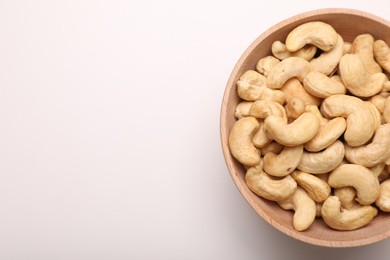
(348, 23)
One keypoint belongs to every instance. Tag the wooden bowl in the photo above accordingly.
(348, 23)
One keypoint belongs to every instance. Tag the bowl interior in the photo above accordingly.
(348, 23)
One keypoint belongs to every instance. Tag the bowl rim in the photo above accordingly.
(224, 136)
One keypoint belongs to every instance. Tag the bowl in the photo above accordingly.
(348, 23)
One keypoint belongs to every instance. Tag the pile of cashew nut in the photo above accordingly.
(313, 127)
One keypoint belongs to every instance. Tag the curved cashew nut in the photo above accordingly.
(284, 163)
(264, 65)
(273, 147)
(347, 196)
(324, 161)
(358, 116)
(260, 139)
(240, 141)
(265, 108)
(377, 169)
(356, 78)
(383, 201)
(252, 86)
(376, 115)
(379, 100)
(242, 109)
(295, 107)
(280, 51)
(347, 47)
(317, 33)
(373, 153)
(304, 207)
(316, 188)
(346, 219)
(319, 85)
(363, 46)
(359, 177)
(286, 69)
(298, 132)
(382, 54)
(293, 88)
(386, 110)
(327, 62)
(267, 187)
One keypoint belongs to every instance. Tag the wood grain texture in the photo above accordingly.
(348, 23)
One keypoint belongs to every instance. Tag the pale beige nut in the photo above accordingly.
(358, 177)
(386, 85)
(316, 33)
(280, 51)
(293, 88)
(358, 116)
(386, 110)
(284, 163)
(315, 111)
(382, 54)
(324, 161)
(379, 100)
(327, 62)
(264, 65)
(252, 86)
(319, 85)
(347, 47)
(260, 139)
(363, 46)
(240, 141)
(373, 153)
(286, 69)
(303, 129)
(316, 188)
(264, 108)
(304, 207)
(273, 147)
(377, 169)
(242, 109)
(327, 135)
(376, 114)
(294, 108)
(346, 219)
(383, 201)
(347, 197)
(356, 78)
(267, 187)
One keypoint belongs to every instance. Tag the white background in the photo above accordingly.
(109, 137)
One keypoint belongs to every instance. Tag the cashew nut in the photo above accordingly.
(260, 139)
(358, 116)
(316, 188)
(242, 109)
(363, 46)
(293, 88)
(382, 54)
(346, 219)
(286, 69)
(356, 78)
(304, 207)
(376, 115)
(265, 108)
(347, 196)
(284, 163)
(268, 187)
(324, 161)
(240, 141)
(347, 47)
(273, 147)
(295, 107)
(383, 201)
(319, 85)
(317, 33)
(386, 110)
(304, 128)
(252, 86)
(373, 153)
(379, 100)
(359, 177)
(377, 169)
(280, 51)
(327, 62)
(264, 65)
